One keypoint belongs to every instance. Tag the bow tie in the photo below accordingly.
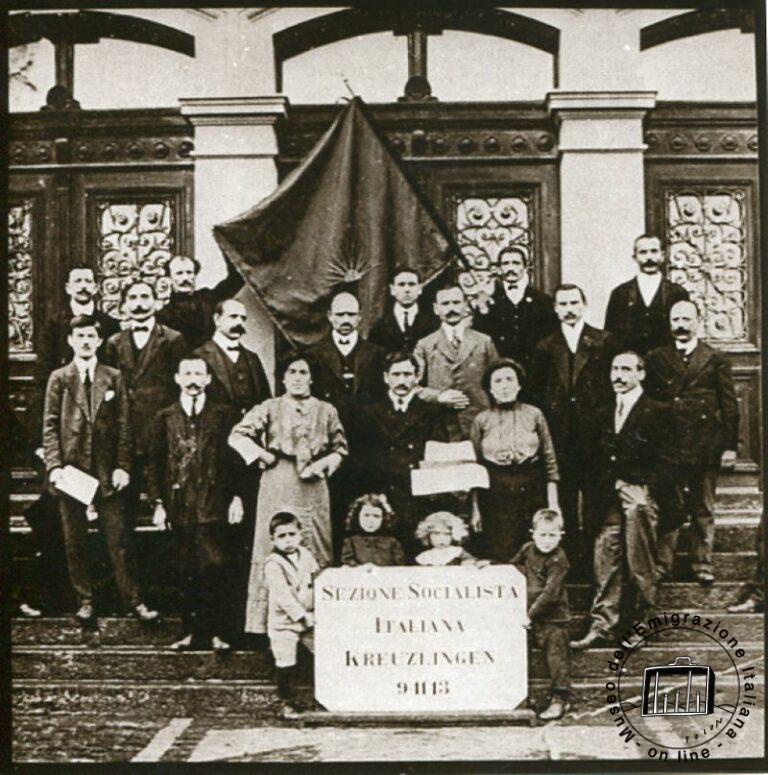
(233, 348)
(140, 328)
(343, 342)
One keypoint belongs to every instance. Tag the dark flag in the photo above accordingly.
(345, 217)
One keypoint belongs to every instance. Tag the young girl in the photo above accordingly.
(443, 533)
(370, 542)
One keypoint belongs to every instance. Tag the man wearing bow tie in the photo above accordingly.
(394, 432)
(638, 310)
(452, 361)
(520, 315)
(87, 425)
(696, 381)
(405, 322)
(625, 514)
(569, 381)
(147, 354)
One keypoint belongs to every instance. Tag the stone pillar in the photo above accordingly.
(602, 187)
(235, 167)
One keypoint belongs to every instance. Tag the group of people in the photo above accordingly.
(607, 439)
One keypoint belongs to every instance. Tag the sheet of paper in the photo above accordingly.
(77, 484)
(448, 452)
(247, 449)
(465, 476)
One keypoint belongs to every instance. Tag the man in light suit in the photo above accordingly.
(87, 425)
(452, 361)
(569, 382)
(405, 322)
(696, 381)
(146, 353)
(638, 310)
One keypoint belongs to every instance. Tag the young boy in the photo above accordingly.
(289, 571)
(545, 566)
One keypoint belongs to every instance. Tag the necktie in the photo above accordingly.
(619, 413)
(343, 342)
(406, 320)
(141, 328)
(400, 406)
(87, 384)
(455, 341)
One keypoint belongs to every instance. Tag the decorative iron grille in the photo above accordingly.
(707, 239)
(135, 240)
(20, 288)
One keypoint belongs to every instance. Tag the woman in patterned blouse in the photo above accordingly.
(512, 440)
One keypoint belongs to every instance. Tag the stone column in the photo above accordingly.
(235, 167)
(602, 187)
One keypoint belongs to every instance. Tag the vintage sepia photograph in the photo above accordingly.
(385, 385)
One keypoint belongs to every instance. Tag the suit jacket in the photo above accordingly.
(442, 368)
(95, 437)
(195, 482)
(221, 390)
(148, 377)
(705, 411)
(192, 314)
(329, 383)
(393, 442)
(515, 329)
(638, 454)
(387, 334)
(637, 326)
(570, 407)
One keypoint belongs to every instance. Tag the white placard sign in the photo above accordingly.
(420, 639)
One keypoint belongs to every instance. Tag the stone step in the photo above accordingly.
(69, 663)
(124, 631)
(253, 701)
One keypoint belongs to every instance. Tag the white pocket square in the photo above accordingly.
(109, 395)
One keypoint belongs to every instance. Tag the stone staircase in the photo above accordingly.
(126, 670)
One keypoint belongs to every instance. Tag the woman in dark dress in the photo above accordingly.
(513, 442)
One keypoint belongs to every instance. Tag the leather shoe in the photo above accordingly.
(705, 577)
(86, 616)
(184, 644)
(592, 640)
(28, 611)
(748, 606)
(554, 711)
(219, 645)
(144, 614)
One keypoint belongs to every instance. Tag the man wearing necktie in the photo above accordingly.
(196, 488)
(86, 424)
(568, 381)
(452, 361)
(520, 315)
(624, 517)
(146, 353)
(405, 322)
(394, 432)
(696, 381)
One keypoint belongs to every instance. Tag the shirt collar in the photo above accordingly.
(189, 402)
(82, 309)
(149, 323)
(520, 287)
(397, 400)
(573, 332)
(351, 340)
(630, 398)
(687, 347)
(400, 311)
(83, 366)
(649, 280)
(457, 330)
(225, 343)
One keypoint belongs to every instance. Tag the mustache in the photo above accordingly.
(238, 329)
(680, 330)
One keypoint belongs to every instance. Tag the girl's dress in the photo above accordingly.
(444, 555)
(372, 548)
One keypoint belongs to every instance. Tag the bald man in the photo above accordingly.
(696, 381)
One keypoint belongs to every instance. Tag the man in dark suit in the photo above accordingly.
(394, 432)
(237, 374)
(404, 323)
(569, 382)
(638, 310)
(190, 311)
(520, 315)
(194, 486)
(87, 425)
(347, 375)
(696, 381)
(146, 354)
(625, 508)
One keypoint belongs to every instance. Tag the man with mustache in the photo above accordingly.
(696, 381)
(195, 487)
(569, 381)
(394, 432)
(146, 353)
(520, 315)
(638, 310)
(452, 361)
(625, 514)
(190, 311)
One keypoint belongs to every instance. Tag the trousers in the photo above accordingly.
(112, 524)
(284, 645)
(625, 549)
(697, 492)
(552, 639)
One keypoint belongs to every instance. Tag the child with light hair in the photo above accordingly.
(443, 533)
